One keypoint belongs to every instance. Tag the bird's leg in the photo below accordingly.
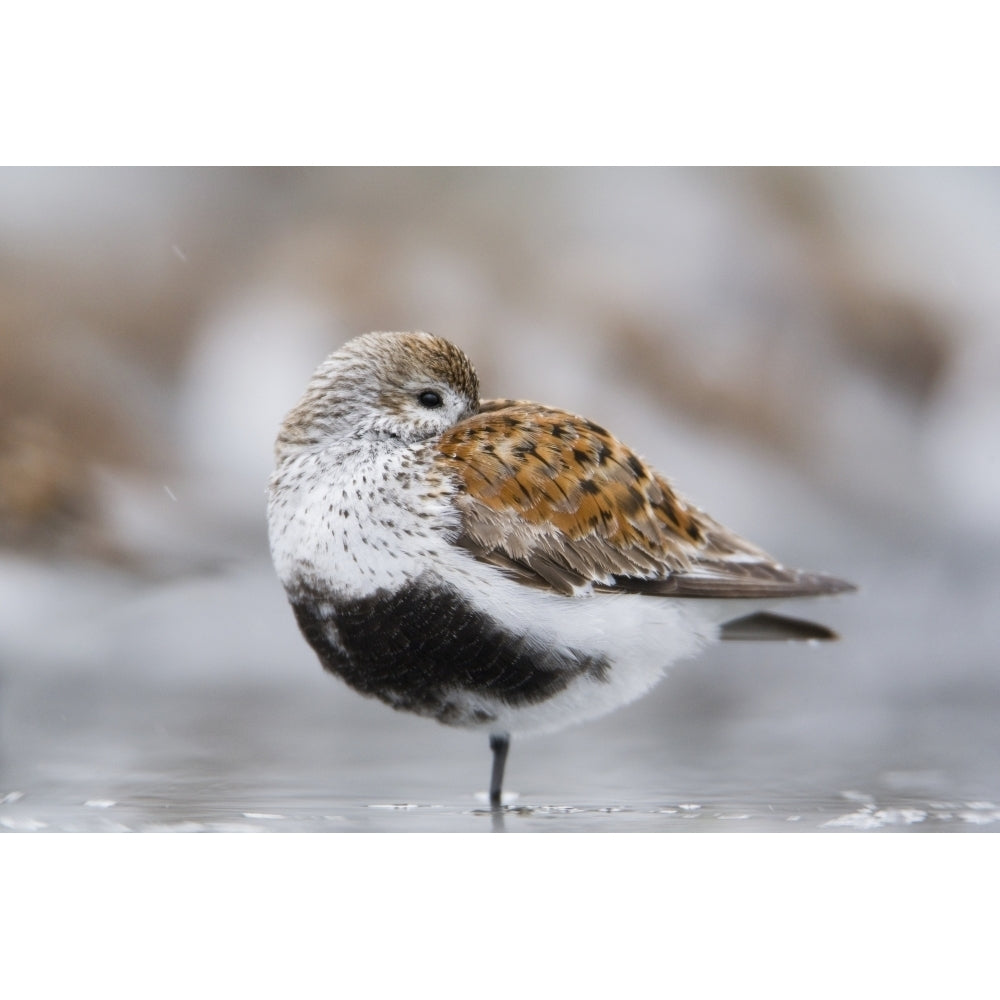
(499, 744)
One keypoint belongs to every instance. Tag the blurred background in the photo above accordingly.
(811, 355)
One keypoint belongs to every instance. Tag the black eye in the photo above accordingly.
(430, 399)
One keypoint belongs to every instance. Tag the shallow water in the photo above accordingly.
(131, 756)
(235, 810)
(193, 704)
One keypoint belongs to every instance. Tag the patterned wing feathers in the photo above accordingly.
(559, 502)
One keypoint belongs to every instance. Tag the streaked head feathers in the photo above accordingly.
(373, 387)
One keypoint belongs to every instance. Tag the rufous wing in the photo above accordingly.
(559, 502)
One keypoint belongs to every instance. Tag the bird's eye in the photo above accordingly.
(429, 399)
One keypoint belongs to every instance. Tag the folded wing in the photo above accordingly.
(558, 502)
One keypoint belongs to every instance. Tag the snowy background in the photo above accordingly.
(813, 356)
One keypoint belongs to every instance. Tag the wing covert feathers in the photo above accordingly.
(557, 501)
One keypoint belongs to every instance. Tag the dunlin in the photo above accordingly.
(497, 565)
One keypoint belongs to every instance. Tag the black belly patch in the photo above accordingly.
(425, 649)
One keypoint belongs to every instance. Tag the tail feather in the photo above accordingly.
(767, 626)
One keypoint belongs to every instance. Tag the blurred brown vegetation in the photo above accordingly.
(734, 300)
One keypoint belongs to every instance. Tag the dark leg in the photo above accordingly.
(499, 744)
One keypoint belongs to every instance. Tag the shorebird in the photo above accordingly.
(498, 565)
